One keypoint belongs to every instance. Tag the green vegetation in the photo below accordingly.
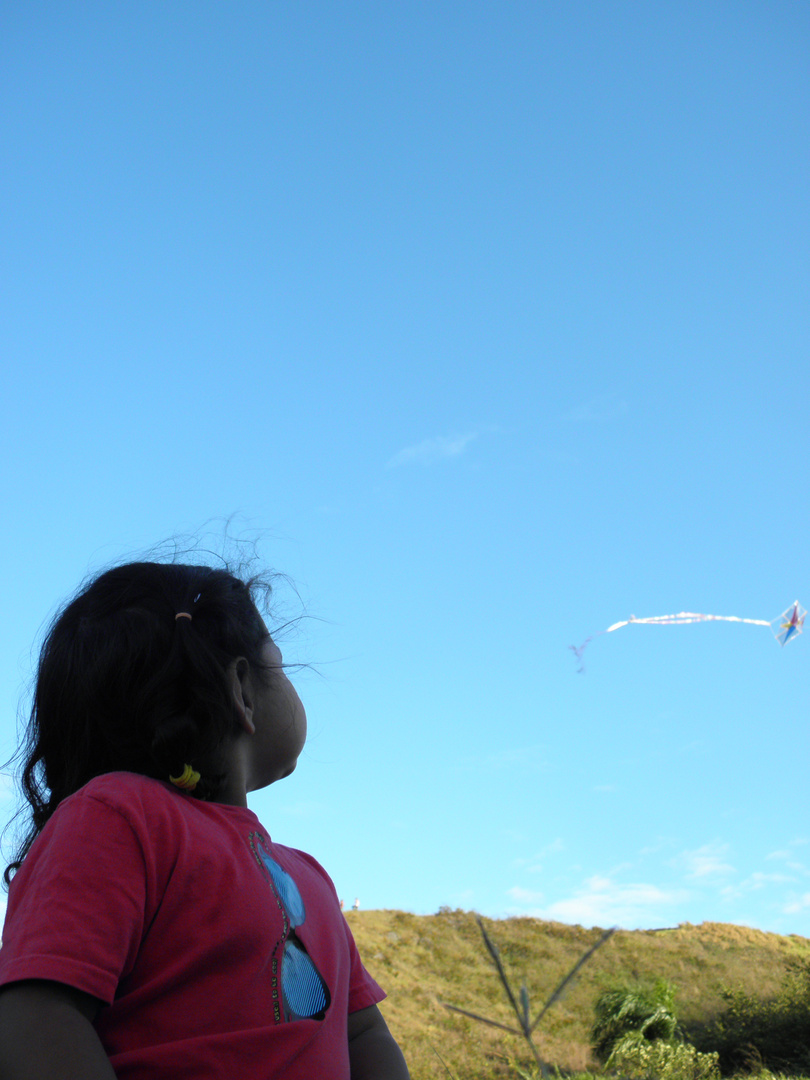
(643, 1010)
(635, 1056)
(425, 960)
(752, 1030)
(636, 1034)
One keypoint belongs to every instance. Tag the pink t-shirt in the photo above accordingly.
(218, 953)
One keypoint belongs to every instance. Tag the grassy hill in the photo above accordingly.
(422, 960)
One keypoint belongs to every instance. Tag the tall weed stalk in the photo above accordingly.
(520, 1002)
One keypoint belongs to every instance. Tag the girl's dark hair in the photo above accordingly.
(124, 685)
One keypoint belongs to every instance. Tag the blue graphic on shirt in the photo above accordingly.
(305, 994)
(304, 989)
(286, 889)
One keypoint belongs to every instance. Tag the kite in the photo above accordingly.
(786, 627)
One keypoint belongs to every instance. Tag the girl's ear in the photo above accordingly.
(242, 693)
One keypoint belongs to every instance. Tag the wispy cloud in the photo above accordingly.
(661, 843)
(797, 904)
(788, 855)
(524, 758)
(525, 896)
(431, 450)
(704, 862)
(535, 864)
(601, 901)
(600, 410)
(753, 883)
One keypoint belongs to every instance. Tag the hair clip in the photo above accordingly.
(182, 615)
(187, 780)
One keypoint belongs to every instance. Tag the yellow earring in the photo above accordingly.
(187, 780)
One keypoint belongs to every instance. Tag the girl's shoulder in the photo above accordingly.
(115, 801)
(301, 859)
(123, 790)
(115, 821)
(139, 819)
(153, 805)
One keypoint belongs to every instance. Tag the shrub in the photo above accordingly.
(635, 1056)
(774, 1033)
(645, 1009)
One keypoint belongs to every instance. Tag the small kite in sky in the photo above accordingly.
(787, 626)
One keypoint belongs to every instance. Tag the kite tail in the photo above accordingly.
(578, 651)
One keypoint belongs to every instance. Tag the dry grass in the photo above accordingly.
(421, 960)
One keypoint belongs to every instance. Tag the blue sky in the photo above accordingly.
(489, 321)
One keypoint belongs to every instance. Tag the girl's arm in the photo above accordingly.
(47, 1033)
(373, 1053)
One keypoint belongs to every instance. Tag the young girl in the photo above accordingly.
(154, 929)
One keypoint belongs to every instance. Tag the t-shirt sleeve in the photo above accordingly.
(77, 906)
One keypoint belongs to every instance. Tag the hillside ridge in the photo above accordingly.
(424, 960)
